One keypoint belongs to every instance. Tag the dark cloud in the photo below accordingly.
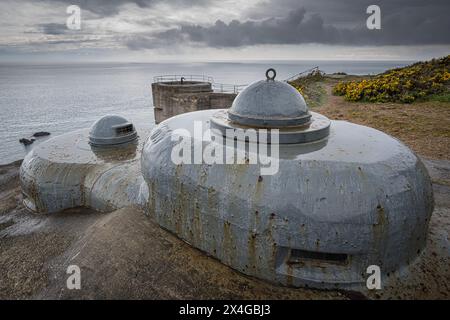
(53, 28)
(57, 29)
(404, 22)
(414, 23)
(347, 12)
(412, 28)
(292, 29)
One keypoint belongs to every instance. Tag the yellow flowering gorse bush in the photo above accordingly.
(400, 85)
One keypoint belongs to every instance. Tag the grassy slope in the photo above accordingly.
(423, 125)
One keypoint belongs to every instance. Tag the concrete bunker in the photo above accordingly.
(344, 197)
(95, 167)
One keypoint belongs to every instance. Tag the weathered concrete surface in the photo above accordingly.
(66, 172)
(125, 255)
(362, 196)
(429, 275)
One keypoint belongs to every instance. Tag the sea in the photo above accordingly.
(60, 98)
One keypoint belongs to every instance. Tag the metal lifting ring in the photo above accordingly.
(273, 72)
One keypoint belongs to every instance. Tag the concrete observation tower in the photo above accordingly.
(177, 94)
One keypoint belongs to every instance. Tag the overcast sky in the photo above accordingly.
(205, 30)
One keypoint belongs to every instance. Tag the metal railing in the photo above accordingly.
(228, 88)
(217, 87)
(185, 77)
(302, 74)
(221, 87)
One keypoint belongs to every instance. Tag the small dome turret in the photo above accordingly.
(111, 130)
